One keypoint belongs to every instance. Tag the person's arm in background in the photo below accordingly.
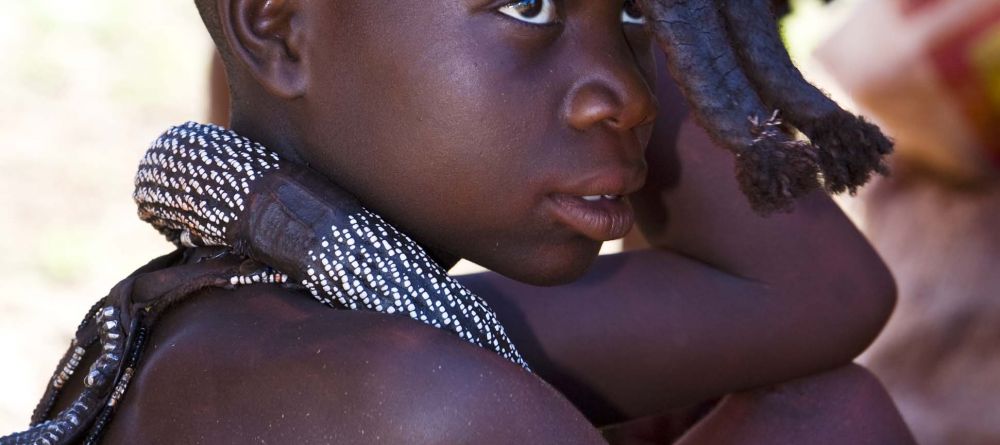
(725, 301)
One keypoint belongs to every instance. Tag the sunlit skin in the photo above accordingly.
(466, 127)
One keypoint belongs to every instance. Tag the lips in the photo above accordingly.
(603, 217)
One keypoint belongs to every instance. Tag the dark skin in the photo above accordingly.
(504, 115)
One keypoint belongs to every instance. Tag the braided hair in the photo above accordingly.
(729, 61)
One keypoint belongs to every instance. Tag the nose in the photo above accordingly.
(614, 94)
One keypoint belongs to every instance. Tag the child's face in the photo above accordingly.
(477, 131)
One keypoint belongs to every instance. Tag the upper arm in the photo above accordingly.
(465, 394)
(652, 330)
(692, 205)
(810, 258)
(283, 378)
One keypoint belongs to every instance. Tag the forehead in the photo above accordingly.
(452, 37)
(377, 12)
(399, 27)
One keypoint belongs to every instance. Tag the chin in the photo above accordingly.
(553, 265)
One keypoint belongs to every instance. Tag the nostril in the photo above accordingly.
(593, 104)
(622, 109)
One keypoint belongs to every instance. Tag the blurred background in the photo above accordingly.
(85, 86)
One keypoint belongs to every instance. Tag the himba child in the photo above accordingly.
(512, 134)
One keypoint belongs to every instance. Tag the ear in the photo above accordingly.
(266, 37)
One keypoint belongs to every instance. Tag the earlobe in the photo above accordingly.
(264, 36)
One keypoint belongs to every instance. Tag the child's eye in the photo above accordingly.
(632, 14)
(537, 12)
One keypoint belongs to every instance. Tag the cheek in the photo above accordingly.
(469, 128)
(455, 143)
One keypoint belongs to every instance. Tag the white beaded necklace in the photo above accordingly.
(195, 181)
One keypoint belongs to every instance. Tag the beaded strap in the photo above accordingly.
(195, 184)
(194, 181)
(73, 422)
(119, 325)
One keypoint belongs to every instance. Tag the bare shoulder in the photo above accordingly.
(263, 364)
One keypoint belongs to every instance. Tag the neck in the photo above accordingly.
(268, 124)
(275, 132)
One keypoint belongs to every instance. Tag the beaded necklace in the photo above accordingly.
(202, 186)
(194, 185)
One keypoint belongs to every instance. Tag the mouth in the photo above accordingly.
(602, 217)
